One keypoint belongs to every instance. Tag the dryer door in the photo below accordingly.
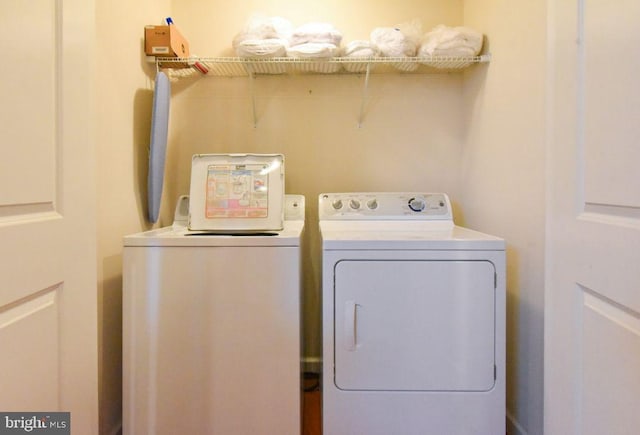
(414, 325)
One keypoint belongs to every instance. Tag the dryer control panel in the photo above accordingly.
(384, 206)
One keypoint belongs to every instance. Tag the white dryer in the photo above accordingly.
(413, 318)
(211, 330)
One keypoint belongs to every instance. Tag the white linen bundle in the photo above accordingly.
(313, 50)
(357, 50)
(399, 41)
(263, 37)
(393, 42)
(321, 33)
(316, 41)
(360, 48)
(451, 41)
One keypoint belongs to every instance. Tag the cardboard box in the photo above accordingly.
(165, 41)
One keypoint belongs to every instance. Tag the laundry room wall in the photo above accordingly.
(503, 182)
(123, 83)
(477, 136)
(410, 138)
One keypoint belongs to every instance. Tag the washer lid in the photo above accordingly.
(181, 237)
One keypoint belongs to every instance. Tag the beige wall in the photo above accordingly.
(477, 136)
(503, 182)
(212, 24)
(123, 109)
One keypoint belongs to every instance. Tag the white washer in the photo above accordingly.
(212, 331)
(413, 318)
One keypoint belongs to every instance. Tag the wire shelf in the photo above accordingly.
(178, 68)
(242, 67)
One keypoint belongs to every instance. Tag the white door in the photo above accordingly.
(592, 332)
(421, 325)
(48, 331)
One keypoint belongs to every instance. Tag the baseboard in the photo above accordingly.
(312, 364)
(513, 427)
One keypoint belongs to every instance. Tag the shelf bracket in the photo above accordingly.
(365, 94)
(253, 97)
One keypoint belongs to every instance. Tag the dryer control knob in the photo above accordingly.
(354, 204)
(372, 204)
(417, 204)
(337, 204)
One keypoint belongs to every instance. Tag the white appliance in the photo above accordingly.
(211, 329)
(413, 318)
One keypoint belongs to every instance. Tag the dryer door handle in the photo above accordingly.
(350, 323)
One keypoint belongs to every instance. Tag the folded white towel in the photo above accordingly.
(451, 41)
(313, 50)
(358, 52)
(393, 42)
(262, 48)
(274, 31)
(324, 33)
(359, 48)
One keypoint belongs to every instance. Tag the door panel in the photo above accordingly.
(30, 222)
(611, 99)
(30, 330)
(610, 356)
(29, 215)
(29, 44)
(48, 301)
(414, 325)
(592, 333)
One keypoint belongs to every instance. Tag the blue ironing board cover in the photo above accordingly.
(158, 147)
